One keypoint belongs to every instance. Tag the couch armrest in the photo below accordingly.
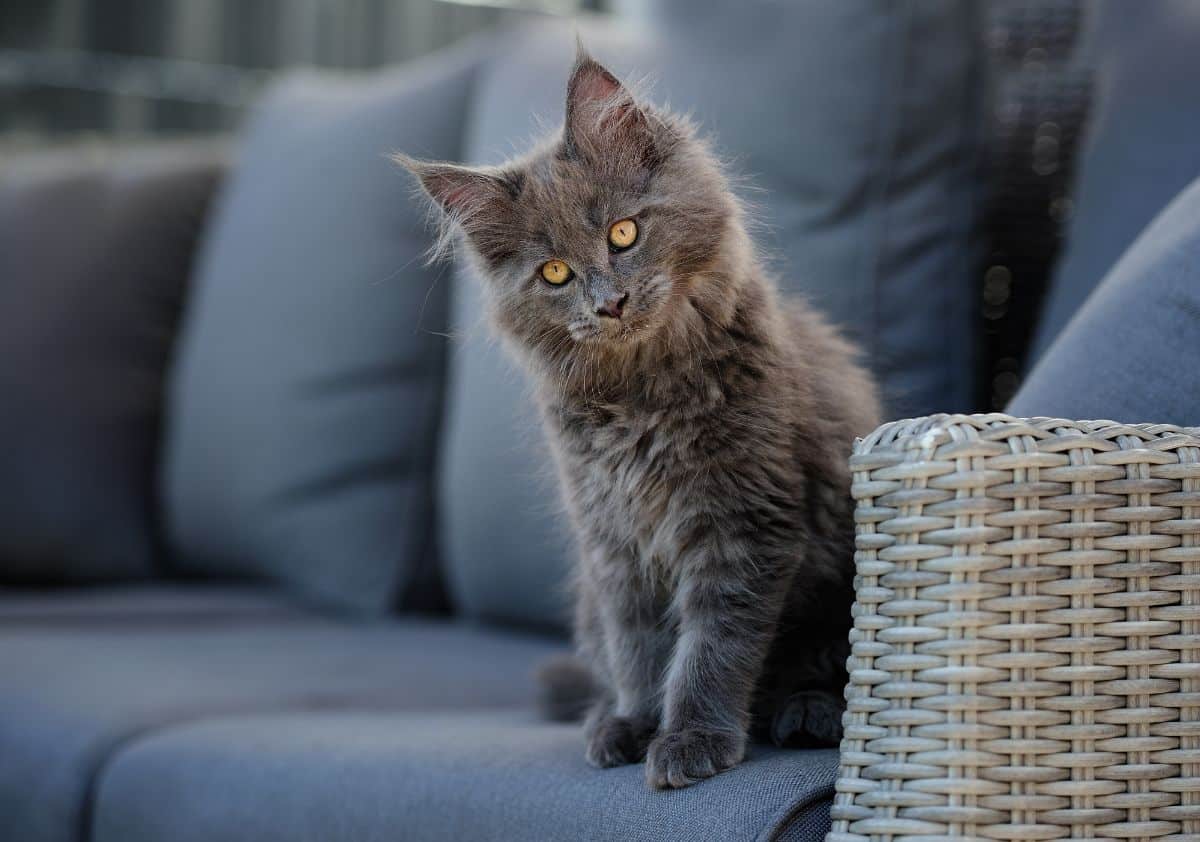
(1025, 657)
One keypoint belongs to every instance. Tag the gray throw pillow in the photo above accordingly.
(1132, 352)
(305, 401)
(855, 124)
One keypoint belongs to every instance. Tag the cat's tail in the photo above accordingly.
(567, 688)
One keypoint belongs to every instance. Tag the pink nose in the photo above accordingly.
(613, 307)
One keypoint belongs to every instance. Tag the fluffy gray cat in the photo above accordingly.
(700, 428)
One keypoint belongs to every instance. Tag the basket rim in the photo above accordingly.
(929, 431)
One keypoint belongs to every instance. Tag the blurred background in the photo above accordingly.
(74, 69)
(92, 72)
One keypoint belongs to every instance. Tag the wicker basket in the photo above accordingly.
(1026, 644)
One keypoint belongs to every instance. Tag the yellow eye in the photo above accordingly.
(623, 234)
(556, 272)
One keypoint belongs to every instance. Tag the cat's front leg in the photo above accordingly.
(725, 629)
(627, 631)
(616, 740)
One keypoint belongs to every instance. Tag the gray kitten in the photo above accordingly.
(700, 428)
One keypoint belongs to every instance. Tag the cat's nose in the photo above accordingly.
(613, 306)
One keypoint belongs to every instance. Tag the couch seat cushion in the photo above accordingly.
(304, 400)
(483, 775)
(71, 696)
(143, 604)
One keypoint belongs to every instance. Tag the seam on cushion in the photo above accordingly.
(425, 589)
(199, 217)
(107, 754)
(110, 750)
(116, 621)
(782, 819)
(115, 747)
(785, 832)
(432, 568)
(963, 197)
(98, 763)
(886, 134)
(419, 585)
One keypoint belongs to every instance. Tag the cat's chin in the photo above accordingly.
(605, 334)
(615, 334)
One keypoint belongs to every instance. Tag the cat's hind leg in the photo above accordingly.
(809, 719)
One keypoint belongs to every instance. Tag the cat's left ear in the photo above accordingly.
(603, 119)
(462, 192)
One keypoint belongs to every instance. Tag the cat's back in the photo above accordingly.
(842, 399)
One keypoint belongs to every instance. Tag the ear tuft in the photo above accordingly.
(602, 117)
(458, 190)
(590, 81)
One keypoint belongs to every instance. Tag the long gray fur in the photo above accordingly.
(701, 437)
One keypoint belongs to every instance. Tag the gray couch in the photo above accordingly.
(278, 559)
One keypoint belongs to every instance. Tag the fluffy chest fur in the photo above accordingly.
(700, 449)
(628, 481)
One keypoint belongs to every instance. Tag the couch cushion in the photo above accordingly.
(70, 697)
(476, 776)
(95, 253)
(146, 604)
(1132, 352)
(856, 119)
(1140, 150)
(308, 388)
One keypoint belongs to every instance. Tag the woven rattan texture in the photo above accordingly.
(1026, 647)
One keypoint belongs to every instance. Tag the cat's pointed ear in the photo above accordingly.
(602, 115)
(459, 191)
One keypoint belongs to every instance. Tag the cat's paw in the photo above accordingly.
(617, 740)
(809, 719)
(681, 758)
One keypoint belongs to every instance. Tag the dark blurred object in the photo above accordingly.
(94, 261)
(1041, 89)
(1142, 146)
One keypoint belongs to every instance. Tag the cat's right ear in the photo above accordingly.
(602, 116)
(461, 192)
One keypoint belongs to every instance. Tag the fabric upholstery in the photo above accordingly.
(858, 126)
(1132, 352)
(1140, 149)
(125, 605)
(810, 823)
(303, 408)
(95, 253)
(865, 186)
(71, 697)
(424, 776)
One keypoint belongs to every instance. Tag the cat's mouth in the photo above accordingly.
(642, 315)
(601, 331)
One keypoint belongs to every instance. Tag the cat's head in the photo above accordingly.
(611, 233)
